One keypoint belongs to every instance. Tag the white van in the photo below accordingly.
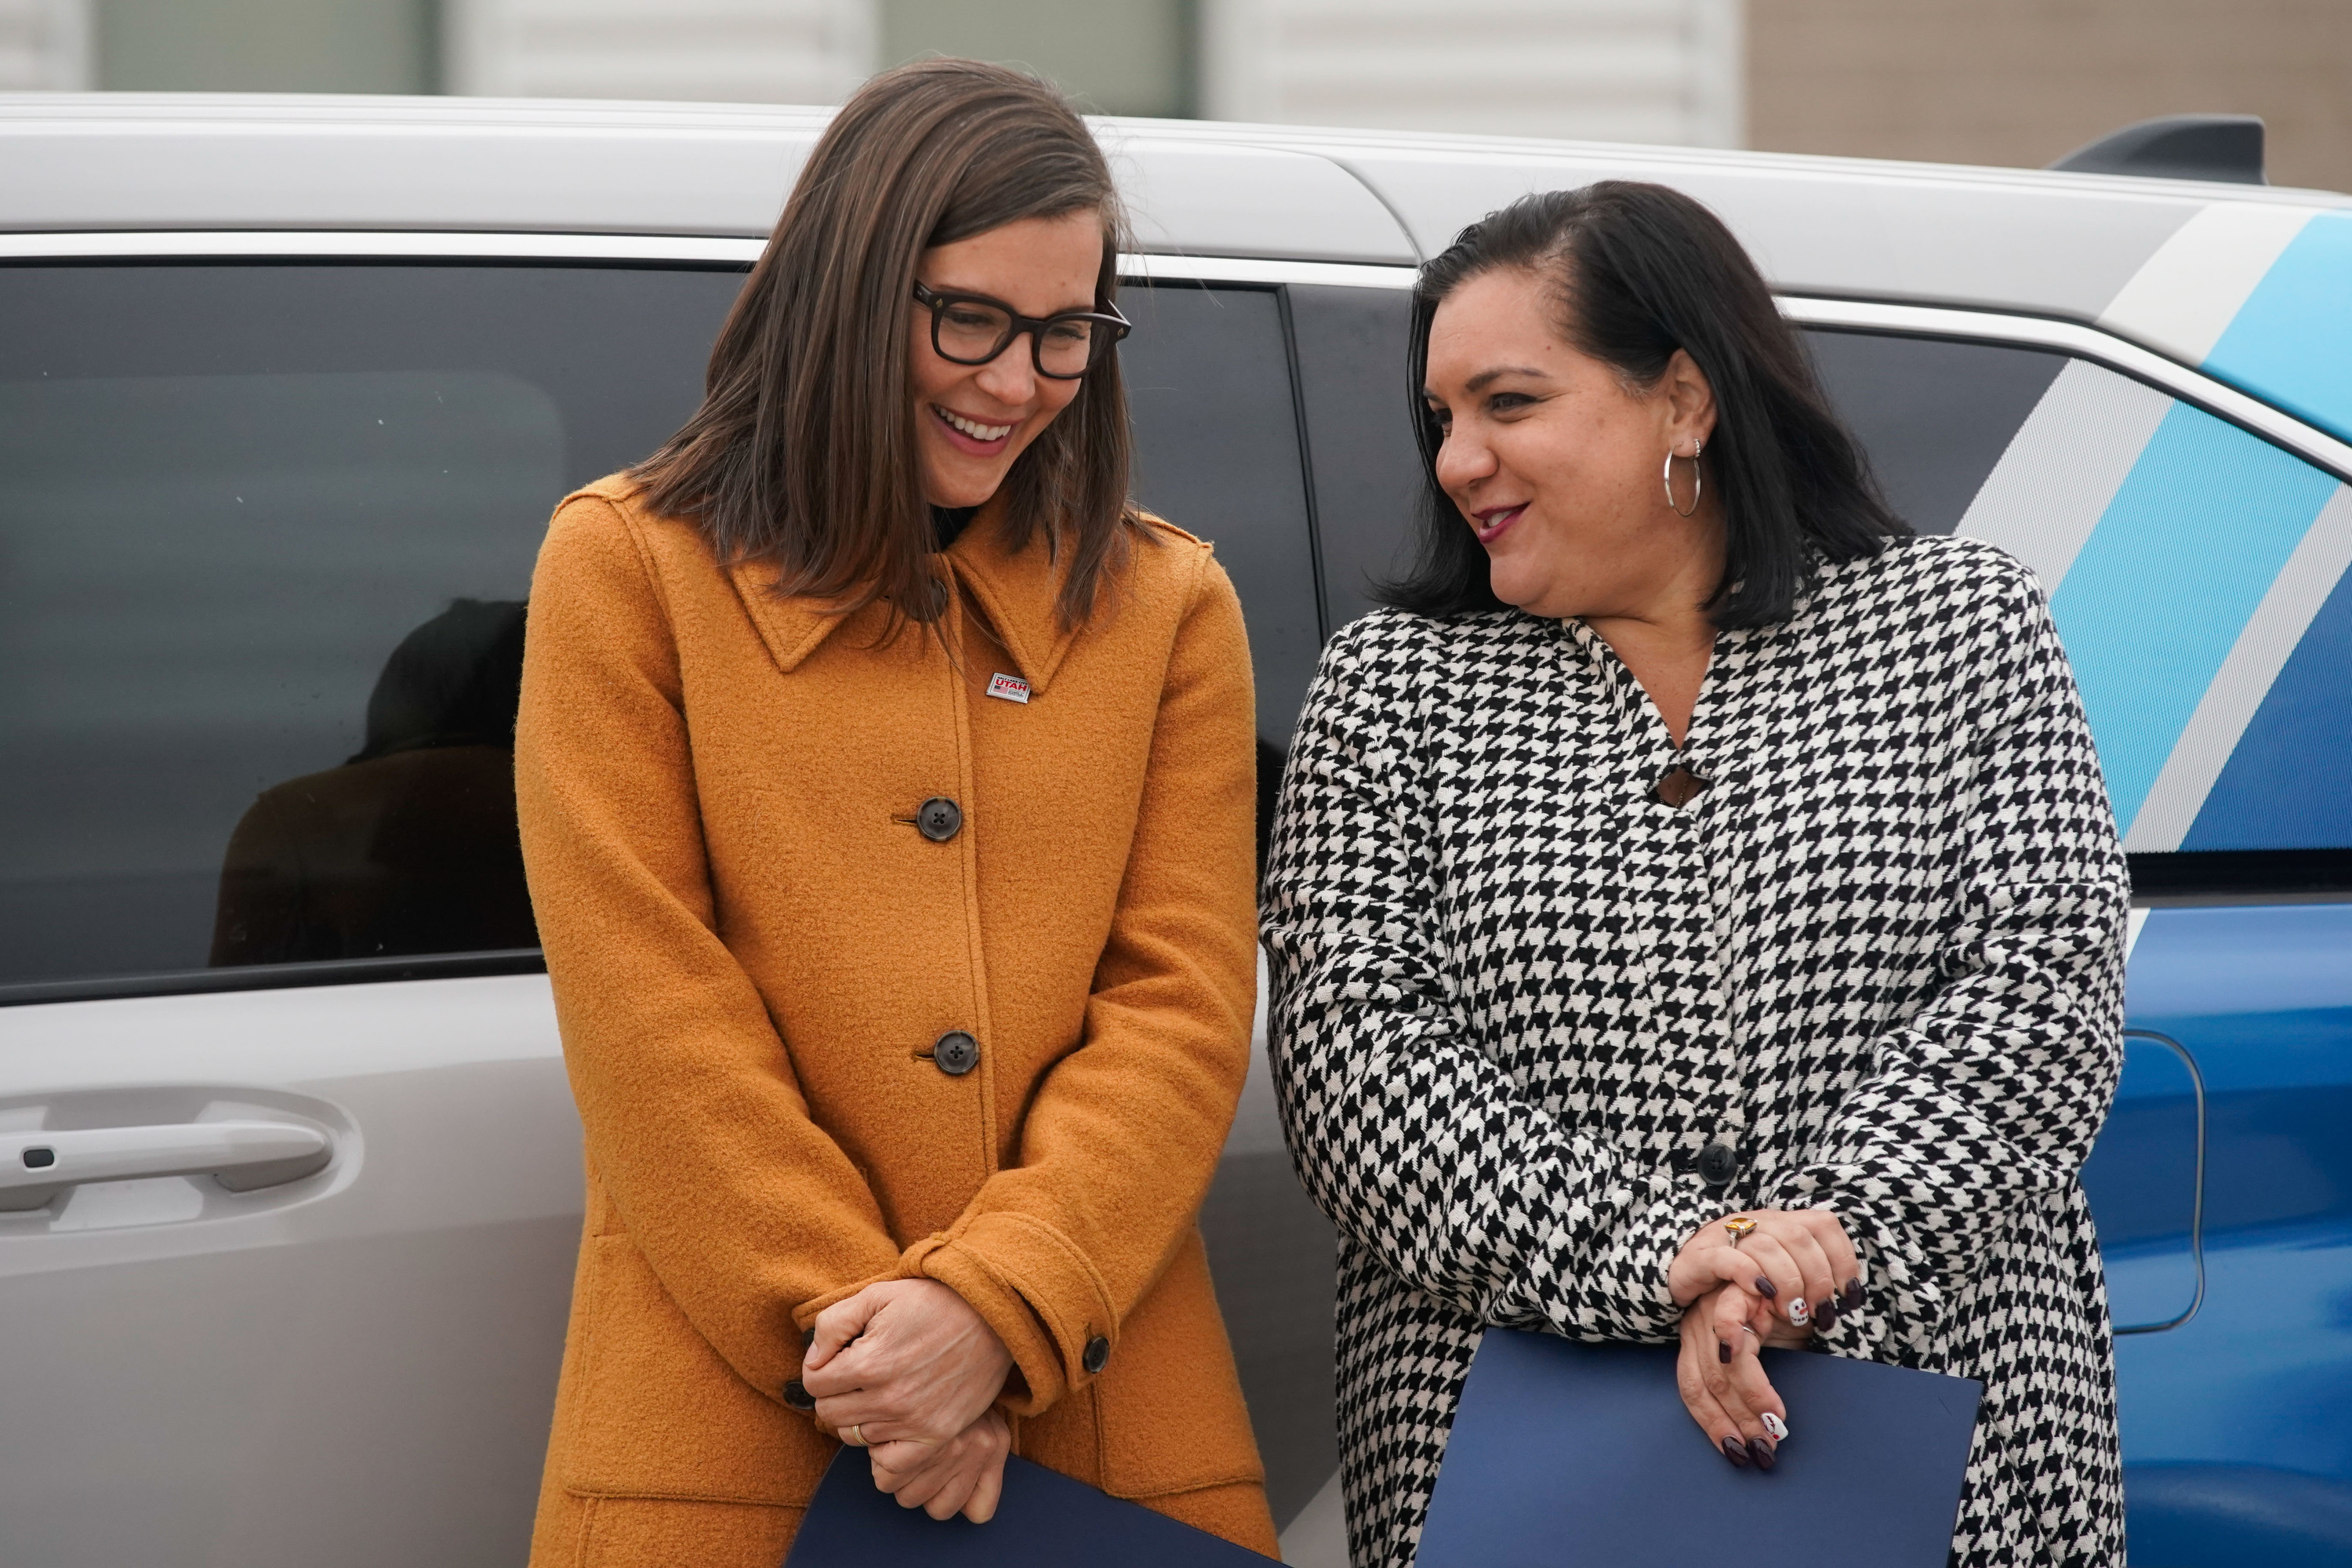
(289, 1172)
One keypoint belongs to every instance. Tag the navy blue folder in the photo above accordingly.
(1568, 1453)
(1046, 1519)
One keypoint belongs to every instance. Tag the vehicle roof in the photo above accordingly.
(2055, 244)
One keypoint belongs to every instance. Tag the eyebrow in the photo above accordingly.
(1480, 382)
(1084, 309)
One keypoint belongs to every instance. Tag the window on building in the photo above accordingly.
(1116, 57)
(266, 45)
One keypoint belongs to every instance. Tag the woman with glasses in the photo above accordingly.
(886, 786)
(1694, 913)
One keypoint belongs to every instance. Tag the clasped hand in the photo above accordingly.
(1795, 1269)
(908, 1366)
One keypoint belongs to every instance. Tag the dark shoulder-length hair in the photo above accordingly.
(802, 453)
(1640, 270)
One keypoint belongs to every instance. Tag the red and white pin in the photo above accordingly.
(1012, 688)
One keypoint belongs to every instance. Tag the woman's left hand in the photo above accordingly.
(1801, 1261)
(903, 1361)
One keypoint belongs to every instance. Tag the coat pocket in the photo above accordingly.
(653, 1411)
(1170, 1402)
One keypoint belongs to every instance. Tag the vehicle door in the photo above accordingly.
(289, 1172)
(1220, 452)
(2193, 543)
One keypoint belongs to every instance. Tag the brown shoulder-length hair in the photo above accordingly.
(802, 453)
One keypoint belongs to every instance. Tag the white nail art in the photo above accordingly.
(1774, 1424)
(1797, 1312)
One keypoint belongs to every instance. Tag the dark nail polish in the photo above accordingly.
(1766, 1288)
(1825, 1315)
(1851, 1297)
(1760, 1452)
(1735, 1452)
(1722, 1351)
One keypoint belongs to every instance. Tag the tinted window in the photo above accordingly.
(268, 532)
(1935, 416)
(1217, 454)
(1368, 475)
(2195, 571)
(264, 536)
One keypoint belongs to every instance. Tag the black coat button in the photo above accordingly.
(797, 1397)
(1717, 1163)
(938, 819)
(956, 1054)
(1096, 1355)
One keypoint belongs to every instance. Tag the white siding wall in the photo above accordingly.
(1615, 71)
(742, 51)
(44, 44)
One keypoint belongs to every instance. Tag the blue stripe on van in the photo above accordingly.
(2288, 784)
(2291, 342)
(2192, 541)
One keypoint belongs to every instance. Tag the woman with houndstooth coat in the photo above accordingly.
(1695, 909)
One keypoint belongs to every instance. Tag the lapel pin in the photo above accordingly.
(1012, 688)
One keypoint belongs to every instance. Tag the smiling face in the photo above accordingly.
(1554, 460)
(972, 420)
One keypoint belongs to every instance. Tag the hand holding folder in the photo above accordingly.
(1570, 1453)
(1044, 1521)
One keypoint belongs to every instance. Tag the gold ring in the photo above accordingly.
(854, 1434)
(1738, 1225)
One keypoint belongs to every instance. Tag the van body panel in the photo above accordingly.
(2142, 387)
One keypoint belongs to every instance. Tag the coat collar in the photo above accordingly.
(1016, 591)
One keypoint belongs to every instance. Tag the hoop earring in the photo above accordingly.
(1698, 479)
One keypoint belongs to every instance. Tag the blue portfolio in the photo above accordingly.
(1567, 1453)
(1046, 1519)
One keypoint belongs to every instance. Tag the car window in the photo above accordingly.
(1360, 440)
(266, 533)
(1934, 415)
(2195, 571)
(1218, 454)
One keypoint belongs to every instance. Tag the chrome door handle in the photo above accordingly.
(240, 1155)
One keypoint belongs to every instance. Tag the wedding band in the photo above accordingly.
(854, 1434)
(1738, 1225)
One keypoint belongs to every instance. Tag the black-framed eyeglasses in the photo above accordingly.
(973, 329)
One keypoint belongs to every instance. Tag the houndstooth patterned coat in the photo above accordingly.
(1881, 954)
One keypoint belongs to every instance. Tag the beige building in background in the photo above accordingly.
(2023, 82)
(1601, 70)
(1982, 81)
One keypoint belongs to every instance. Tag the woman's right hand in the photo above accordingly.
(903, 1360)
(963, 1475)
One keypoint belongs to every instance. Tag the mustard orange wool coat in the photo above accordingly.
(753, 951)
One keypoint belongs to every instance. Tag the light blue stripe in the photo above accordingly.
(2170, 577)
(2291, 342)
